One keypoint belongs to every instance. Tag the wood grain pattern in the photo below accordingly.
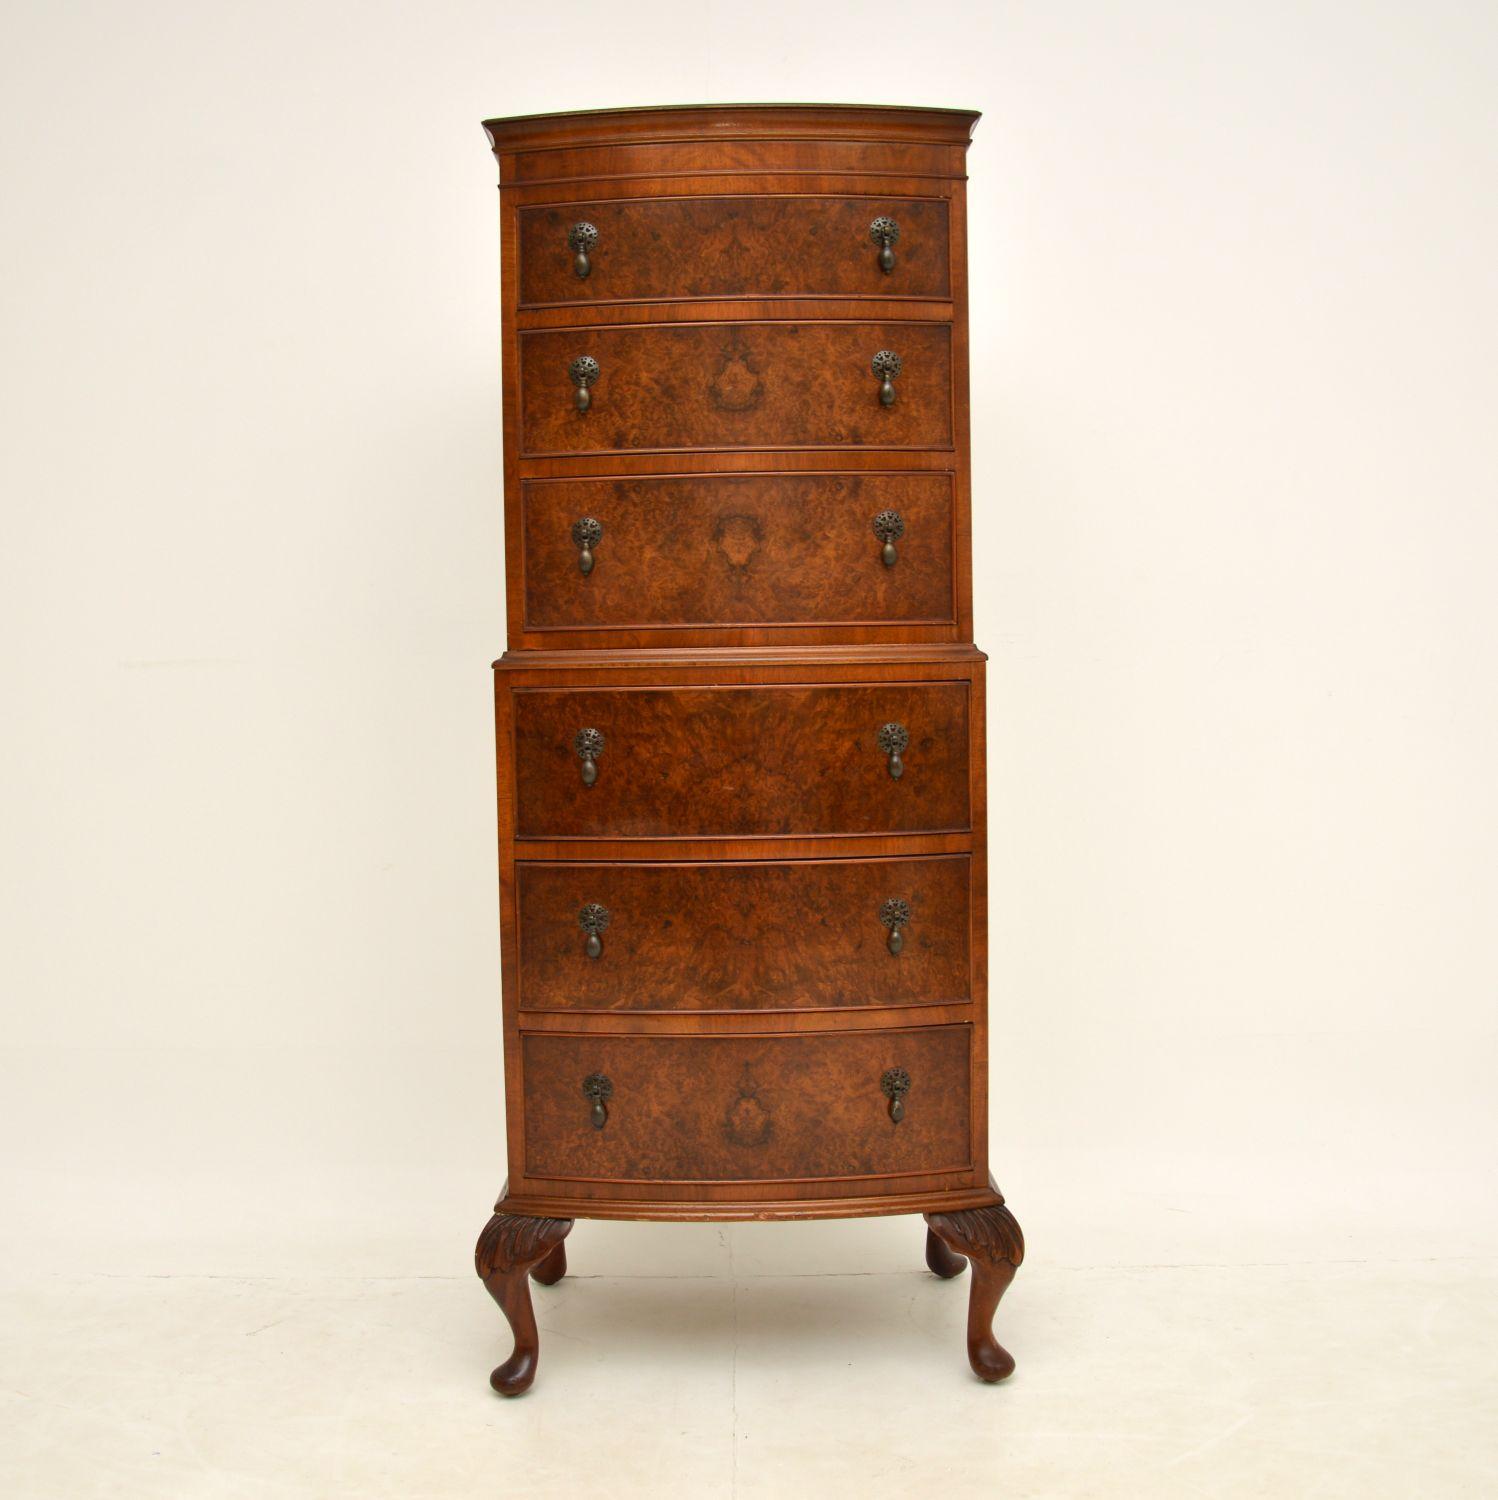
(730, 246)
(762, 761)
(885, 661)
(745, 309)
(736, 385)
(782, 1016)
(745, 549)
(722, 1109)
(761, 180)
(668, 163)
(744, 936)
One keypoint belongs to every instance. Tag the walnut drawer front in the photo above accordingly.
(744, 936)
(734, 385)
(775, 246)
(748, 549)
(745, 1108)
(756, 761)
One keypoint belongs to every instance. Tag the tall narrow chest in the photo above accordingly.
(740, 722)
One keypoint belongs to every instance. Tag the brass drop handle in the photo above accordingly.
(586, 534)
(889, 527)
(593, 918)
(894, 1085)
(584, 371)
(884, 232)
(894, 740)
(600, 1089)
(582, 237)
(589, 746)
(886, 364)
(895, 914)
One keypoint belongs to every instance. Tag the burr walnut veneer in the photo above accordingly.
(740, 722)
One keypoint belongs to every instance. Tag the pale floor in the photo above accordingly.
(686, 1362)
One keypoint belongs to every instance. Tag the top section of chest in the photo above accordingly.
(737, 204)
(735, 346)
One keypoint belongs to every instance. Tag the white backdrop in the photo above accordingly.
(1234, 319)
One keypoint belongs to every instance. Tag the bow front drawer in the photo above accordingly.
(730, 1109)
(744, 935)
(757, 761)
(748, 549)
(656, 249)
(736, 385)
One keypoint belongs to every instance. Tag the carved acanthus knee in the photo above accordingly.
(991, 1239)
(509, 1247)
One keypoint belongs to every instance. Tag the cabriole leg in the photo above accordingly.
(940, 1261)
(508, 1249)
(993, 1244)
(551, 1270)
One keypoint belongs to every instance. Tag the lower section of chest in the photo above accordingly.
(744, 953)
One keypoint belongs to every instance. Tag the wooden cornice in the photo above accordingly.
(708, 122)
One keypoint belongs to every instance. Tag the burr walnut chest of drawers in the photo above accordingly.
(740, 720)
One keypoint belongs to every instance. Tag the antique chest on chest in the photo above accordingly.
(740, 720)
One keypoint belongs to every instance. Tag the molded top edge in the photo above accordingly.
(690, 657)
(699, 121)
